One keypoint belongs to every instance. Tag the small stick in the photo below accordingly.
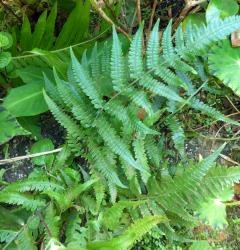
(109, 20)
(152, 16)
(139, 15)
(24, 157)
(227, 158)
(189, 5)
(113, 14)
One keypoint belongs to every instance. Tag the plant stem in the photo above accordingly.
(20, 158)
(139, 15)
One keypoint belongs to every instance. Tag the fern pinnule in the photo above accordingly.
(135, 57)
(168, 49)
(159, 88)
(118, 73)
(153, 48)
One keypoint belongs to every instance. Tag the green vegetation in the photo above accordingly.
(127, 101)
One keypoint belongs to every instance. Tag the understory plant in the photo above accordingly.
(116, 109)
(113, 181)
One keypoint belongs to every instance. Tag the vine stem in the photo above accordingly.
(155, 3)
(24, 157)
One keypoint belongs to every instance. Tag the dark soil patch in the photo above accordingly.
(21, 145)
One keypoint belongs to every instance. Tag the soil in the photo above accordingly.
(21, 145)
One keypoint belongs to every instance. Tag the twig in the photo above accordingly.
(227, 158)
(230, 101)
(152, 16)
(107, 19)
(132, 22)
(219, 138)
(20, 158)
(114, 15)
(139, 15)
(189, 5)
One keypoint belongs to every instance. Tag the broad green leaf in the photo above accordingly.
(26, 100)
(221, 8)
(200, 245)
(79, 17)
(9, 127)
(195, 19)
(224, 63)
(53, 60)
(26, 35)
(31, 124)
(48, 39)
(32, 74)
(42, 145)
(5, 59)
(6, 40)
(39, 30)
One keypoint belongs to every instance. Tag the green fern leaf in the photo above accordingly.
(39, 30)
(117, 64)
(153, 48)
(26, 201)
(135, 55)
(85, 82)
